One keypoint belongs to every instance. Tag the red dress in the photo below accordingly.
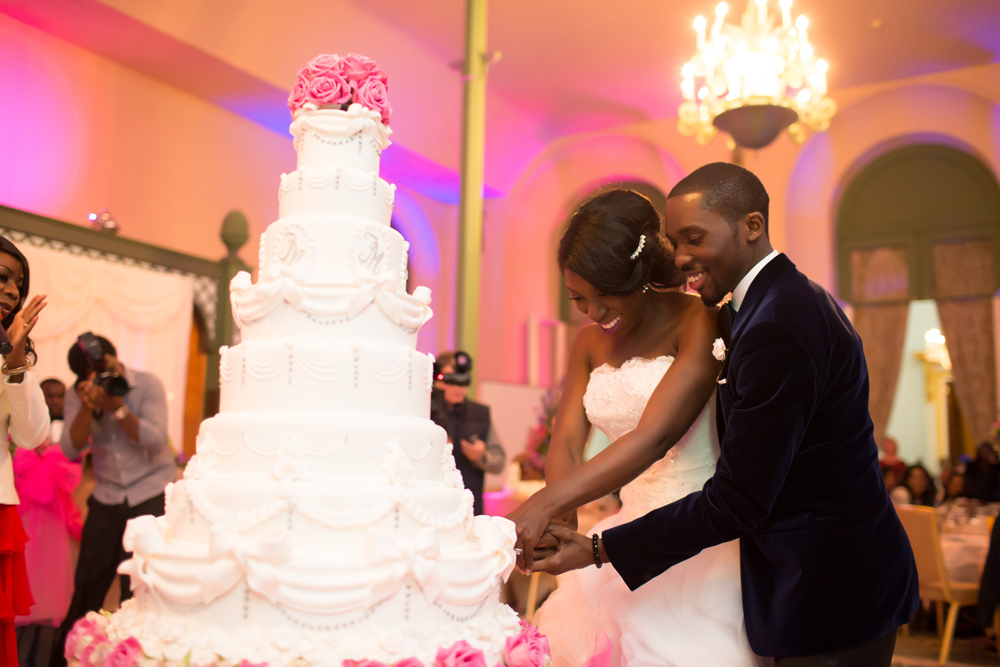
(15, 596)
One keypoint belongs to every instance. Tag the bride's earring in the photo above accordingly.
(645, 288)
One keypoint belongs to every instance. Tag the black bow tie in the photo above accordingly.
(726, 316)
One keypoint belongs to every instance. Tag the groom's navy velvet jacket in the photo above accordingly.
(825, 563)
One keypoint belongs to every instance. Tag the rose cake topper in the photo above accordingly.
(333, 81)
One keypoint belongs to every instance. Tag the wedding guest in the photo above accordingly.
(982, 475)
(45, 481)
(890, 458)
(897, 492)
(953, 485)
(920, 485)
(25, 420)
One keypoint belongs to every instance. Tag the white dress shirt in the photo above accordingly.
(741, 290)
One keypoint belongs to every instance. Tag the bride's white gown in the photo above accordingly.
(692, 614)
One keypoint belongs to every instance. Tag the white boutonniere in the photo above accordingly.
(719, 349)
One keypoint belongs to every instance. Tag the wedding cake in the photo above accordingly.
(322, 519)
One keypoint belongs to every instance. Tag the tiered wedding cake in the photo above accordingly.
(322, 519)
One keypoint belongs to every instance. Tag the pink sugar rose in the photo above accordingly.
(363, 663)
(374, 94)
(358, 68)
(125, 654)
(461, 654)
(330, 88)
(299, 96)
(247, 663)
(408, 662)
(323, 64)
(94, 654)
(527, 649)
(85, 631)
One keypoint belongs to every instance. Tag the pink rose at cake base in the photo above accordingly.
(322, 522)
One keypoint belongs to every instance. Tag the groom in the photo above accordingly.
(827, 571)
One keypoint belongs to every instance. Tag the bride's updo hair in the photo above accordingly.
(603, 236)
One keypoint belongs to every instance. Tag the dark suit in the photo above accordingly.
(825, 563)
(470, 421)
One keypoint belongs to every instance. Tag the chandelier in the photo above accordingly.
(754, 79)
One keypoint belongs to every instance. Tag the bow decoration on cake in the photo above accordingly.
(496, 535)
(418, 556)
(409, 312)
(144, 538)
(251, 302)
(236, 557)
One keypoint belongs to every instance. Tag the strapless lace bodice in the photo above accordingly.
(614, 401)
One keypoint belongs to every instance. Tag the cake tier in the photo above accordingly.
(369, 311)
(319, 514)
(336, 249)
(333, 138)
(394, 574)
(325, 376)
(404, 626)
(341, 447)
(339, 189)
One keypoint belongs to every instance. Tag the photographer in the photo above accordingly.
(122, 414)
(476, 445)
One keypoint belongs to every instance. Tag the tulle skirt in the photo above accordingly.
(15, 595)
(689, 616)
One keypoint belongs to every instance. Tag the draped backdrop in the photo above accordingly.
(880, 294)
(146, 314)
(963, 289)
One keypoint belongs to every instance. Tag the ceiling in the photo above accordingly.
(566, 67)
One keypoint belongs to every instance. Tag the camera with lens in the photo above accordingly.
(111, 381)
(461, 374)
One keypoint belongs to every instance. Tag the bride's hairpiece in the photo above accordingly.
(642, 244)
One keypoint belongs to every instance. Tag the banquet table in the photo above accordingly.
(964, 556)
(965, 539)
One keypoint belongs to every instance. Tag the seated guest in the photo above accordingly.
(920, 485)
(953, 484)
(982, 475)
(890, 458)
(898, 494)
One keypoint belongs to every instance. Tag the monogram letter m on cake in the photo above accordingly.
(322, 520)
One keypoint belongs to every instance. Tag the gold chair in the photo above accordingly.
(921, 528)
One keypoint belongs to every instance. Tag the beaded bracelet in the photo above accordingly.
(15, 371)
(597, 551)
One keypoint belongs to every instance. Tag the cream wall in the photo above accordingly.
(79, 133)
(805, 183)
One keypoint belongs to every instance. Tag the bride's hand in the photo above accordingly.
(530, 519)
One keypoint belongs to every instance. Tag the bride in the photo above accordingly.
(644, 374)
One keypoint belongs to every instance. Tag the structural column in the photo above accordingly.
(470, 221)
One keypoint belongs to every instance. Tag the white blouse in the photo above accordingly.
(25, 417)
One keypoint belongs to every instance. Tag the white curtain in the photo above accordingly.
(145, 313)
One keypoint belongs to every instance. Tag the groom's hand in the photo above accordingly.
(575, 551)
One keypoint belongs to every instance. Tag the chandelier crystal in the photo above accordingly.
(754, 79)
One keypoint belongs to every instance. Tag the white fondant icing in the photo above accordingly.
(324, 376)
(323, 517)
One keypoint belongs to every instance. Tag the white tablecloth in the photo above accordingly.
(964, 556)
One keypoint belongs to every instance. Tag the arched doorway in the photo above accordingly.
(922, 222)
